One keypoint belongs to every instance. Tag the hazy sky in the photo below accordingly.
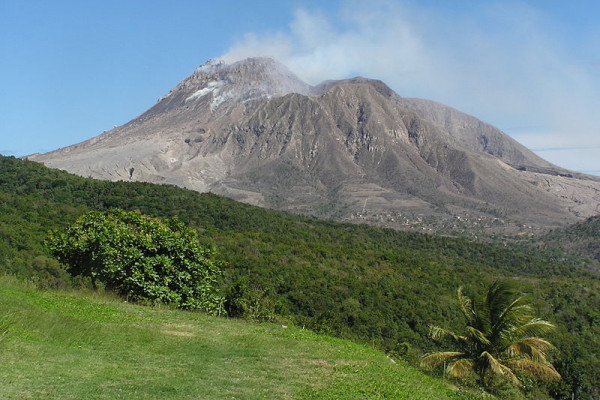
(70, 70)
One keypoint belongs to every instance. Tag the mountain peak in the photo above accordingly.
(247, 66)
(217, 83)
(211, 66)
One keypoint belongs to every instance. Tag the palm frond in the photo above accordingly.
(544, 371)
(466, 306)
(482, 319)
(513, 314)
(499, 369)
(507, 305)
(499, 296)
(492, 363)
(475, 334)
(460, 368)
(437, 333)
(534, 348)
(533, 327)
(432, 360)
(507, 372)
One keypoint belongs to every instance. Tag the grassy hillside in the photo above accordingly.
(65, 345)
(371, 285)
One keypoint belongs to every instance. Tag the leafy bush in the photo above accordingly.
(249, 302)
(141, 257)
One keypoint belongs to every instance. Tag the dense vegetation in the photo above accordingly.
(371, 285)
(580, 238)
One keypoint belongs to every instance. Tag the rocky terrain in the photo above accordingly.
(350, 150)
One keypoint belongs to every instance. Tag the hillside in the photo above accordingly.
(371, 285)
(580, 238)
(69, 345)
(350, 150)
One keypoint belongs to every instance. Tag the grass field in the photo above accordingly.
(74, 345)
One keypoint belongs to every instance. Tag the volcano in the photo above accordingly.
(350, 150)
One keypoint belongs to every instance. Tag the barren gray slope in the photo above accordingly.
(349, 149)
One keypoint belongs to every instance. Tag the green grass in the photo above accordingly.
(74, 345)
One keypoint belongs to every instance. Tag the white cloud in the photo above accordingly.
(506, 63)
(316, 50)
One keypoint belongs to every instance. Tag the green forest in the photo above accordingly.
(374, 286)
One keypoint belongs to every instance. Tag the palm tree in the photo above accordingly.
(501, 338)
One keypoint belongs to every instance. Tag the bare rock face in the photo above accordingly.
(350, 150)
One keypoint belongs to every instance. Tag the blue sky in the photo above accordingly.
(73, 69)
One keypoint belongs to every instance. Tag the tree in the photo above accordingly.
(141, 257)
(501, 339)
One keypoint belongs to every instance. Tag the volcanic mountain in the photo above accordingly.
(350, 149)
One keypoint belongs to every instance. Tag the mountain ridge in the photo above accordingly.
(351, 149)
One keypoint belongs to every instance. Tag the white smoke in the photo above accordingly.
(508, 64)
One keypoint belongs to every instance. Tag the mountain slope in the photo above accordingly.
(350, 149)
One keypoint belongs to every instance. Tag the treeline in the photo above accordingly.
(372, 285)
